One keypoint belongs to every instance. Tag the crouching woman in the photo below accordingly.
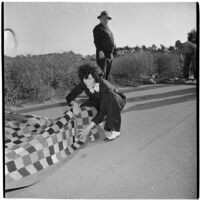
(103, 96)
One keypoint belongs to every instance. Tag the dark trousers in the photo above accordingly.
(105, 63)
(110, 106)
(189, 60)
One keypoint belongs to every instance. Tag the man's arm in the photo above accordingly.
(192, 46)
(180, 56)
(181, 59)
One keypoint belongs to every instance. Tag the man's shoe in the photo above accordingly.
(113, 136)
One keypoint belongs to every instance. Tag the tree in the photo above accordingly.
(153, 47)
(171, 48)
(127, 48)
(144, 48)
(163, 48)
(137, 48)
(192, 36)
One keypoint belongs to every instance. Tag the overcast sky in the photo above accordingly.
(58, 27)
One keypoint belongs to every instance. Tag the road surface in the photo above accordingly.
(155, 156)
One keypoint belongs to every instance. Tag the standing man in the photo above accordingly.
(188, 49)
(104, 42)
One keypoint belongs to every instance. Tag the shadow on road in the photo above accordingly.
(131, 99)
(160, 103)
(135, 89)
(162, 95)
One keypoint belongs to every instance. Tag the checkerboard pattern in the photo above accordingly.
(35, 143)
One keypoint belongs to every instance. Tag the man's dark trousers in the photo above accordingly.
(189, 59)
(105, 63)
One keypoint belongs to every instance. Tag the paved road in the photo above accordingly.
(155, 157)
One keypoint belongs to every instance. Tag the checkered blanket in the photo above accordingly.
(34, 143)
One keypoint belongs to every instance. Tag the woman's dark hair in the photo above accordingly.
(90, 68)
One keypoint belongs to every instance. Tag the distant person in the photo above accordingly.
(104, 42)
(103, 96)
(188, 49)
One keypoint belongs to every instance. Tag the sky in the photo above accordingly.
(52, 27)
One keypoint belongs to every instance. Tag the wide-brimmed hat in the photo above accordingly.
(104, 13)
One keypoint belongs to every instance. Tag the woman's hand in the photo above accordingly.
(86, 131)
(76, 108)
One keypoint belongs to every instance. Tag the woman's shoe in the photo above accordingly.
(112, 136)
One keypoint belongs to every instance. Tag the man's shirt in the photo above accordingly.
(188, 48)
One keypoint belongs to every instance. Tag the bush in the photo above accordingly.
(167, 65)
(37, 77)
(139, 67)
(133, 66)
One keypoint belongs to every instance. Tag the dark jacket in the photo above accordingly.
(95, 98)
(103, 38)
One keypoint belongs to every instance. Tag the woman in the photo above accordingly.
(103, 96)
